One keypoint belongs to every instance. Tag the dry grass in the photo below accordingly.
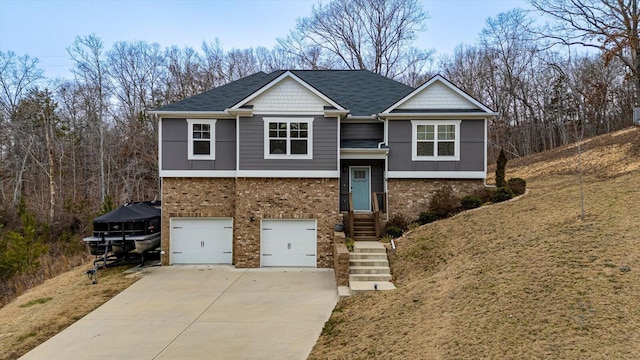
(47, 309)
(519, 280)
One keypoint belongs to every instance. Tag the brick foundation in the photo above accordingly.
(271, 198)
(194, 197)
(247, 201)
(341, 260)
(410, 197)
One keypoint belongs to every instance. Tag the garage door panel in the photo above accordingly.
(288, 243)
(201, 240)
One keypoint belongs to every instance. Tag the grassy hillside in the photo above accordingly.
(522, 279)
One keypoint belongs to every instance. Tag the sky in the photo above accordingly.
(46, 28)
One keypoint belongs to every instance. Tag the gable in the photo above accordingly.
(437, 96)
(288, 95)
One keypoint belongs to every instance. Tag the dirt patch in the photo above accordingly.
(47, 309)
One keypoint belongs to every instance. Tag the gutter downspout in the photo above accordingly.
(486, 150)
(386, 162)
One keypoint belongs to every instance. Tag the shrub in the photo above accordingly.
(427, 217)
(485, 194)
(386, 239)
(470, 202)
(398, 221)
(502, 194)
(443, 202)
(349, 243)
(517, 185)
(393, 231)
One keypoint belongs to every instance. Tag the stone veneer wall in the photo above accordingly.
(195, 197)
(274, 198)
(410, 197)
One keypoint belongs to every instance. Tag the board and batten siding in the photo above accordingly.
(472, 152)
(377, 174)
(325, 146)
(362, 131)
(174, 146)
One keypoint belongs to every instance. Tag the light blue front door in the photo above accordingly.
(361, 188)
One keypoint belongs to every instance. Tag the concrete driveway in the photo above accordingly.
(204, 312)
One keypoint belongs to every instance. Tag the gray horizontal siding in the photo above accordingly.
(325, 147)
(471, 149)
(362, 131)
(174, 146)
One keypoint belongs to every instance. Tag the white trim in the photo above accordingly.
(445, 82)
(289, 173)
(436, 174)
(212, 139)
(288, 156)
(369, 184)
(238, 142)
(437, 116)
(435, 123)
(293, 113)
(285, 75)
(252, 173)
(363, 154)
(338, 154)
(192, 114)
(485, 145)
(159, 145)
(199, 173)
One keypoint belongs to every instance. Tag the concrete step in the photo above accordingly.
(371, 256)
(383, 270)
(344, 291)
(360, 286)
(368, 262)
(369, 247)
(369, 277)
(364, 238)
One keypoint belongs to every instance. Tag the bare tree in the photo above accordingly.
(87, 54)
(608, 25)
(18, 74)
(360, 34)
(36, 114)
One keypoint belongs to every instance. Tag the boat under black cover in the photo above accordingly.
(135, 226)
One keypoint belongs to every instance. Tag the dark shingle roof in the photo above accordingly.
(225, 96)
(360, 91)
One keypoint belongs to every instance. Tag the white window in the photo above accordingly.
(435, 140)
(201, 139)
(288, 138)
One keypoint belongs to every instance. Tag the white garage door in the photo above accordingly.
(288, 243)
(201, 240)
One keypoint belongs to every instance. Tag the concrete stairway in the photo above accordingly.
(364, 228)
(369, 267)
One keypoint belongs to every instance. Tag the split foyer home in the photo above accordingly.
(257, 172)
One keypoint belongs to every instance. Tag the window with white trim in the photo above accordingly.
(201, 139)
(288, 138)
(435, 140)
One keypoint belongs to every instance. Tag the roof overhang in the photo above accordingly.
(354, 154)
(192, 114)
(336, 113)
(439, 115)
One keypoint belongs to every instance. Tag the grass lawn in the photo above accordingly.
(517, 280)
